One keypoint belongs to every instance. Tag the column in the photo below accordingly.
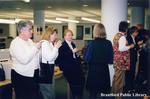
(137, 15)
(112, 12)
(12, 30)
(147, 22)
(39, 24)
(72, 26)
(147, 19)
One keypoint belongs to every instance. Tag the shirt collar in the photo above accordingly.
(68, 41)
(132, 36)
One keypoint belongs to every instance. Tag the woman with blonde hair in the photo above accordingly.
(98, 55)
(49, 53)
(69, 63)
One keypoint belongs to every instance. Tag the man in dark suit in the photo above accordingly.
(69, 63)
(130, 75)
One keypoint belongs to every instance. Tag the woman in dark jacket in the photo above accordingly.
(98, 55)
(69, 63)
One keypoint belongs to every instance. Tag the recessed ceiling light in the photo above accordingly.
(67, 20)
(18, 8)
(49, 7)
(85, 5)
(91, 20)
(52, 21)
(5, 21)
(26, 0)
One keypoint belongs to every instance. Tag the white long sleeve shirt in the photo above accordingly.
(25, 56)
(49, 52)
(122, 44)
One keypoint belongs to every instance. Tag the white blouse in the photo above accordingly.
(25, 56)
(49, 52)
(122, 44)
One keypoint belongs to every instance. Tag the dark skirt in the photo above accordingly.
(98, 78)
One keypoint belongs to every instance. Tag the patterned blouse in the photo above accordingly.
(121, 58)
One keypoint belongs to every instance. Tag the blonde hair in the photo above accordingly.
(66, 31)
(48, 32)
(99, 31)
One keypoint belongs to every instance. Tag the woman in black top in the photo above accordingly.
(98, 55)
(69, 63)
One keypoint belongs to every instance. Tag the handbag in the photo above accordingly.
(2, 73)
(46, 73)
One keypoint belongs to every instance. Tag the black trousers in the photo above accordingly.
(130, 75)
(76, 84)
(25, 87)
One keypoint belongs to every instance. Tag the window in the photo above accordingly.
(87, 30)
(79, 33)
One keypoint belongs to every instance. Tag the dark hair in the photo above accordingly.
(123, 26)
(133, 29)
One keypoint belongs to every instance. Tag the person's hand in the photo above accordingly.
(58, 44)
(75, 50)
(132, 45)
(38, 45)
(140, 42)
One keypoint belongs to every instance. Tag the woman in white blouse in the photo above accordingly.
(49, 53)
(25, 59)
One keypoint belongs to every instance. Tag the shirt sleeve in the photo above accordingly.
(23, 56)
(49, 52)
(122, 44)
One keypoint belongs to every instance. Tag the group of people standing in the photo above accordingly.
(130, 59)
(29, 57)
(128, 54)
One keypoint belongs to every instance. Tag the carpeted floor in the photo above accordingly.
(61, 90)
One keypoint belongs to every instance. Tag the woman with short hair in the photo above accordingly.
(70, 64)
(25, 65)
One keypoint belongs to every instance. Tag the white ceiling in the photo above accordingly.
(11, 9)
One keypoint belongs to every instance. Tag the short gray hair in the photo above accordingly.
(23, 23)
